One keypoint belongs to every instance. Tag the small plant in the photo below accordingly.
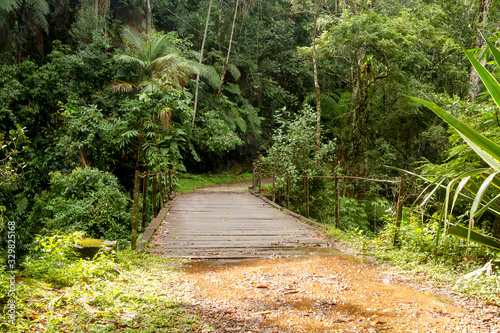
(52, 258)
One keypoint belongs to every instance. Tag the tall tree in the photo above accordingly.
(201, 60)
(228, 50)
(484, 12)
(149, 16)
(316, 82)
(318, 5)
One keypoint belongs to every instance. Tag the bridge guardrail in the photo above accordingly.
(400, 192)
(160, 188)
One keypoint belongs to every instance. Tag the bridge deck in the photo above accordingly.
(232, 225)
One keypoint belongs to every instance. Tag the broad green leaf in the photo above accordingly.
(488, 79)
(479, 198)
(488, 207)
(481, 192)
(457, 192)
(449, 188)
(493, 49)
(492, 161)
(472, 187)
(463, 233)
(485, 148)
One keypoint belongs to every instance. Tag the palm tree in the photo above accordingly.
(159, 64)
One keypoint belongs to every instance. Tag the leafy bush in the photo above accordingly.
(86, 200)
(294, 148)
(352, 215)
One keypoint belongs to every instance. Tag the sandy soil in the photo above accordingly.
(326, 294)
(337, 293)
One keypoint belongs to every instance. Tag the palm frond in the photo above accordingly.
(10, 5)
(150, 86)
(165, 116)
(134, 39)
(127, 59)
(122, 87)
(210, 75)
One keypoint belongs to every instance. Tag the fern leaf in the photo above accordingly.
(9, 5)
(233, 88)
(210, 74)
(241, 123)
(39, 20)
(235, 72)
(21, 205)
(39, 5)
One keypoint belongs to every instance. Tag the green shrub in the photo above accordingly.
(87, 200)
(352, 215)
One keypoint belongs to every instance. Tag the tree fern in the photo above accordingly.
(9, 5)
(39, 5)
(235, 72)
(37, 16)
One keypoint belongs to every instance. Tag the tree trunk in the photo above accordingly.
(201, 59)
(219, 23)
(148, 17)
(484, 10)
(96, 9)
(228, 50)
(316, 83)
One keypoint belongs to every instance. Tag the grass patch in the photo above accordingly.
(189, 182)
(127, 292)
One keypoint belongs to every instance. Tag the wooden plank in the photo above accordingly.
(232, 225)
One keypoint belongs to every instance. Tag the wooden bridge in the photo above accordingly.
(230, 225)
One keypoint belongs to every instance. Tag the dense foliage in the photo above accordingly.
(87, 200)
(91, 91)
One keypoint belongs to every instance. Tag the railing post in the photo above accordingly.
(260, 179)
(160, 190)
(144, 200)
(287, 191)
(274, 187)
(253, 176)
(169, 182)
(166, 187)
(135, 210)
(306, 180)
(337, 202)
(154, 198)
(399, 208)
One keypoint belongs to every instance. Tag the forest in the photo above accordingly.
(91, 91)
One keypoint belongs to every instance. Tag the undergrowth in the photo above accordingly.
(189, 182)
(417, 254)
(126, 291)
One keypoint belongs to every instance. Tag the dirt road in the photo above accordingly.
(336, 293)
